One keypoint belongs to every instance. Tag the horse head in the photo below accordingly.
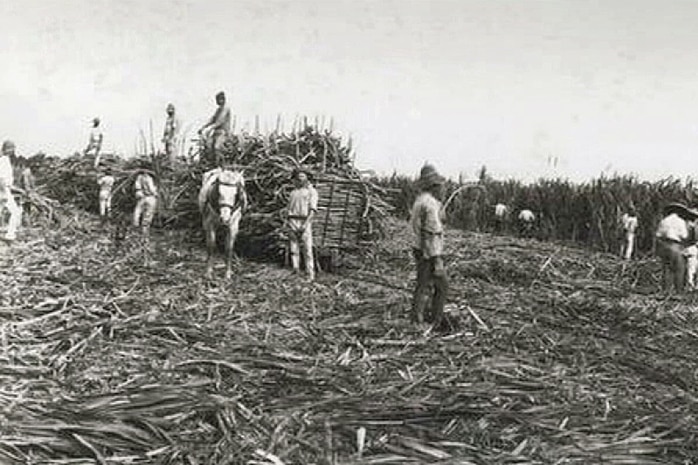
(230, 186)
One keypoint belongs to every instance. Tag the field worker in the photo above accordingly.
(26, 178)
(169, 135)
(672, 236)
(690, 253)
(94, 145)
(526, 220)
(26, 183)
(146, 200)
(7, 201)
(629, 223)
(427, 226)
(501, 215)
(217, 129)
(302, 206)
(106, 183)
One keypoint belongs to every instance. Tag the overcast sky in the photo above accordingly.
(607, 85)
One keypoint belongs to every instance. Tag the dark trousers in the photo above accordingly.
(673, 264)
(430, 289)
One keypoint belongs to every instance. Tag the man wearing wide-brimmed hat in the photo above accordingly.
(7, 201)
(426, 221)
(673, 235)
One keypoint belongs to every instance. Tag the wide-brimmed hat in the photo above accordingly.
(682, 210)
(429, 177)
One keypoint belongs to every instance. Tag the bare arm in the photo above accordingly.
(212, 120)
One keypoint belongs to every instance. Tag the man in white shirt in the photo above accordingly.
(673, 235)
(426, 221)
(146, 200)
(629, 223)
(7, 201)
(302, 205)
(501, 216)
(526, 220)
(106, 183)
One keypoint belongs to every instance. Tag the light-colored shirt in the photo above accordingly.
(221, 120)
(105, 183)
(6, 174)
(171, 128)
(426, 221)
(145, 186)
(673, 228)
(500, 210)
(629, 223)
(527, 216)
(95, 138)
(302, 201)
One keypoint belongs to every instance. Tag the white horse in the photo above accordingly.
(222, 200)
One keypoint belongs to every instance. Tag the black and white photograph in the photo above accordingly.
(348, 232)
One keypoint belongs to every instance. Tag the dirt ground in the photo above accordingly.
(556, 355)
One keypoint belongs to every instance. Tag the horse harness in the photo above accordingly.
(209, 202)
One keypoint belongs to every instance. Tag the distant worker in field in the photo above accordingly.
(217, 129)
(26, 184)
(106, 183)
(302, 205)
(94, 144)
(501, 217)
(690, 253)
(7, 200)
(26, 178)
(426, 221)
(629, 223)
(146, 200)
(527, 220)
(169, 135)
(672, 236)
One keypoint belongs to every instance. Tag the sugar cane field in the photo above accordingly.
(557, 351)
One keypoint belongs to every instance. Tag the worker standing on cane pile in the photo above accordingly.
(169, 136)
(426, 221)
(217, 129)
(106, 183)
(302, 205)
(94, 144)
(629, 224)
(673, 235)
(7, 200)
